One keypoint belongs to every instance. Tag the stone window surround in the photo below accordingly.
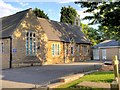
(55, 49)
(78, 48)
(72, 49)
(85, 50)
(66, 49)
(31, 34)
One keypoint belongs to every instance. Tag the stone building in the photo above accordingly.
(27, 39)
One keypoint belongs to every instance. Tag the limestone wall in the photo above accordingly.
(29, 23)
(5, 53)
(65, 53)
(78, 53)
(54, 59)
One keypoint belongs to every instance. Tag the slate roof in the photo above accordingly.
(107, 43)
(53, 29)
(9, 23)
(63, 32)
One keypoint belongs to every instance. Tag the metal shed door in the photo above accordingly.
(103, 53)
(95, 54)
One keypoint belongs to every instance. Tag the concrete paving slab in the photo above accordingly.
(11, 84)
(94, 84)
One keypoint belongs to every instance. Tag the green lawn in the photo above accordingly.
(95, 77)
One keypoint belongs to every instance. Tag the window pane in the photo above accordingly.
(55, 49)
(30, 34)
(34, 40)
(34, 35)
(27, 34)
(27, 38)
(30, 45)
(66, 50)
(58, 50)
(72, 50)
(34, 48)
(52, 49)
(84, 50)
(27, 46)
(27, 51)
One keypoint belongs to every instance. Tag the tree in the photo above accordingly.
(108, 33)
(40, 13)
(105, 13)
(68, 15)
(92, 34)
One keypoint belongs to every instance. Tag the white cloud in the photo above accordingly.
(82, 15)
(7, 9)
(22, 3)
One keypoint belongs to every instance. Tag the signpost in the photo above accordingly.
(116, 69)
(115, 85)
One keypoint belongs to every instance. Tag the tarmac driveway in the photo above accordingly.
(41, 75)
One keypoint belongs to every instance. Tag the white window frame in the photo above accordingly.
(55, 49)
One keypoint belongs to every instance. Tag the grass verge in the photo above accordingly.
(94, 77)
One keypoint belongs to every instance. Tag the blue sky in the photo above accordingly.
(51, 8)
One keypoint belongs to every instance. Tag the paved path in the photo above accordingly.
(41, 75)
(94, 84)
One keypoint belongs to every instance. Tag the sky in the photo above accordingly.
(50, 7)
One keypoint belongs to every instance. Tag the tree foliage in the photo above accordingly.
(91, 33)
(109, 33)
(105, 13)
(68, 15)
(40, 13)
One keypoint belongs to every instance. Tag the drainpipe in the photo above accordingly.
(10, 52)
